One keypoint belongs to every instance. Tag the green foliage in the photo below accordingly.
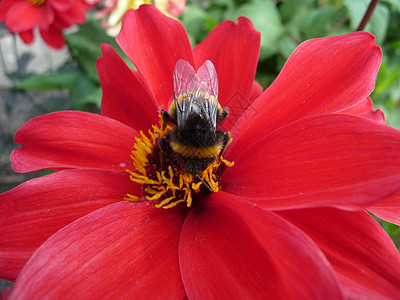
(61, 80)
(379, 21)
(85, 92)
(266, 20)
(79, 75)
(84, 45)
(386, 95)
(393, 230)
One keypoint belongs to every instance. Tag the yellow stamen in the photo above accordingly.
(227, 163)
(130, 197)
(151, 191)
(169, 181)
(174, 203)
(196, 186)
(171, 185)
(37, 2)
(156, 196)
(165, 201)
(188, 196)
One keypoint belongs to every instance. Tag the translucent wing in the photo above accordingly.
(207, 89)
(196, 92)
(183, 75)
(208, 79)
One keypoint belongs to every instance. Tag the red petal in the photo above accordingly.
(357, 247)
(364, 109)
(25, 16)
(388, 209)
(231, 249)
(234, 50)
(154, 43)
(38, 208)
(73, 139)
(125, 250)
(333, 159)
(76, 14)
(322, 75)
(5, 5)
(53, 37)
(26, 36)
(256, 90)
(61, 5)
(124, 97)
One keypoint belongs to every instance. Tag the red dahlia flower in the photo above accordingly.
(50, 16)
(289, 223)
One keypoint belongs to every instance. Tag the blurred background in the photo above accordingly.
(36, 78)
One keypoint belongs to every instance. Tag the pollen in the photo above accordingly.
(37, 2)
(163, 181)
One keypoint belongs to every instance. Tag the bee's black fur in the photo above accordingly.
(197, 133)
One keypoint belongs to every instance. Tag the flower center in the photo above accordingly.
(37, 2)
(163, 179)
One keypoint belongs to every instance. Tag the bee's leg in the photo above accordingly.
(221, 115)
(167, 118)
(162, 142)
(223, 138)
(205, 183)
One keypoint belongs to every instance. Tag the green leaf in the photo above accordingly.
(197, 23)
(266, 20)
(394, 3)
(319, 21)
(388, 79)
(286, 46)
(357, 9)
(84, 92)
(378, 23)
(48, 82)
(392, 116)
(92, 97)
(290, 8)
(85, 46)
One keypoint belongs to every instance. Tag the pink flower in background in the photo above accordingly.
(50, 17)
(115, 9)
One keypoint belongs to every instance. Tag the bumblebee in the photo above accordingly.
(194, 114)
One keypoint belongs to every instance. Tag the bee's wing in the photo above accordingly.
(183, 76)
(207, 84)
(196, 86)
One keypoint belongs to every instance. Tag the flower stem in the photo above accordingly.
(367, 15)
(4, 65)
(20, 70)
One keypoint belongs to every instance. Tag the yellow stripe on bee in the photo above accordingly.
(193, 152)
(185, 96)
